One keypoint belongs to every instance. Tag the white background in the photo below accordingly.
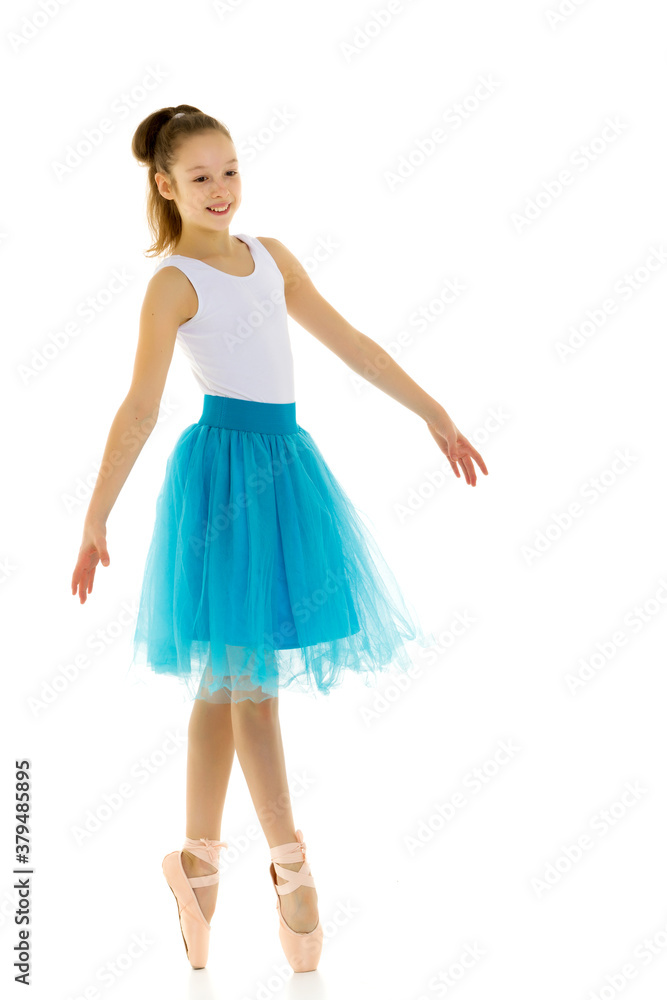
(501, 877)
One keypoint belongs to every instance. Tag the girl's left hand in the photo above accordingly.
(457, 448)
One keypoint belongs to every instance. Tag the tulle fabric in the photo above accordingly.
(261, 574)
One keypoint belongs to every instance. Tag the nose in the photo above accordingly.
(222, 191)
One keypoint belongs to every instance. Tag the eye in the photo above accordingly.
(202, 176)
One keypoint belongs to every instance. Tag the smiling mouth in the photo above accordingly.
(217, 211)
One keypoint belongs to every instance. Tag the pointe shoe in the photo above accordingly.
(302, 948)
(195, 928)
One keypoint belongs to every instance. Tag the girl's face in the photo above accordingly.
(207, 176)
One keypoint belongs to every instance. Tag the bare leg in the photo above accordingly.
(259, 748)
(210, 759)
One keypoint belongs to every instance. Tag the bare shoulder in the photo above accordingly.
(275, 248)
(290, 266)
(170, 290)
(311, 310)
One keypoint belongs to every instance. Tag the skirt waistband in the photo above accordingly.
(249, 415)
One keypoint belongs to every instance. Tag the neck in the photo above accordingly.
(207, 245)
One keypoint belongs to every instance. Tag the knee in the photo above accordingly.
(207, 717)
(260, 711)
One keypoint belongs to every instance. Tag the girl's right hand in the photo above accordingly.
(457, 448)
(93, 550)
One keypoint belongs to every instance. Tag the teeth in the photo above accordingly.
(221, 209)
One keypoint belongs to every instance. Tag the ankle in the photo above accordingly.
(193, 865)
(292, 867)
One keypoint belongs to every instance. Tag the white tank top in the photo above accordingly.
(237, 343)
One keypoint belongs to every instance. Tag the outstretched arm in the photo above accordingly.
(368, 359)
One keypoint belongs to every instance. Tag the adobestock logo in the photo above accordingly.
(225, 514)
(140, 773)
(624, 288)
(88, 309)
(592, 490)
(635, 621)
(31, 25)
(115, 968)
(98, 642)
(122, 106)
(562, 12)
(643, 954)
(393, 691)
(365, 33)
(442, 982)
(222, 7)
(418, 496)
(454, 117)
(252, 145)
(554, 188)
(82, 490)
(600, 824)
(471, 784)
(254, 319)
(419, 319)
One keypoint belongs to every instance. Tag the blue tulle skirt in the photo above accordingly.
(261, 574)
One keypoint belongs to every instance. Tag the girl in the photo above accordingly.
(260, 573)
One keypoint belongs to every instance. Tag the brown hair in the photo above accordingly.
(155, 144)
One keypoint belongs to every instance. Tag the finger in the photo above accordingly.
(480, 461)
(482, 465)
(79, 571)
(470, 453)
(102, 552)
(87, 583)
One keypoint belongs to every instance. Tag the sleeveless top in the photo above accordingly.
(237, 343)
